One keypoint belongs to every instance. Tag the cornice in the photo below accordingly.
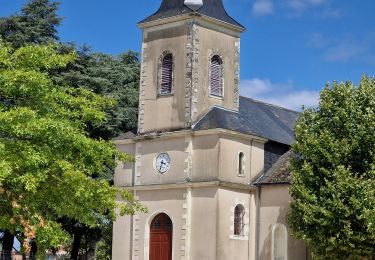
(190, 16)
(181, 133)
(225, 132)
(183, 185)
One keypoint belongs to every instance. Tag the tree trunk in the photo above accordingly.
(33, 251)
(91, 253)
(76, 244)
(8, 241)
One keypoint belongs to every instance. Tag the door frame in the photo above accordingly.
(147, 232)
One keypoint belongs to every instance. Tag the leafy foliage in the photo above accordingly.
(36, 24)
(116, 77)
(104, 251)
(333, 183)
(47, 160)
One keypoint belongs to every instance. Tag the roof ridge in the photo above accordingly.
(269, 104)
(209, 111)
(202, 117)
(224, 108)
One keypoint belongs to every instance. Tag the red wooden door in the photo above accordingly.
(161, 238)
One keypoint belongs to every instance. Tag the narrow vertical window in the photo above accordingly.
(216, 77)
(166, 75)
(241, 160)
(239, 224)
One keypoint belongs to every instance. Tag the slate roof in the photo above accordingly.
(280, 172)
(211, 8)
(255, 118)
(127, 135)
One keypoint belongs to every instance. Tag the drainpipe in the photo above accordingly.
(131, 237)
(188, 223)
(249, 226)
(252, 193)
(257, 234)
(132, 217)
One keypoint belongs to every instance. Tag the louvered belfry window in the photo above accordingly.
(216, 81)
(166, 75)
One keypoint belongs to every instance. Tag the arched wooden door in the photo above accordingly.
(161, 238)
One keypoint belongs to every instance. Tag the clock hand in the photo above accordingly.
(164, 164)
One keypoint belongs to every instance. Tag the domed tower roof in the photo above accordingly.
(209, 8)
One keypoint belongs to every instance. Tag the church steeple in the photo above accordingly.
(209, 8)
(190, 63)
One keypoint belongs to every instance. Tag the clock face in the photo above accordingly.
(162, 163)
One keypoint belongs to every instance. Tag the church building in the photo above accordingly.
(211, 167)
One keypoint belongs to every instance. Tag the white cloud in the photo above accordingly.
(302, 5)
(317, 40)
(331, 13)
(283, 94)
(345, 52)
(295, 8)
(296, 99)
(359, 47)
(316, 2)
(263, 7)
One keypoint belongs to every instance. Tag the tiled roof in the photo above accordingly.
(255, 118)
(211, 8)
(280, 172)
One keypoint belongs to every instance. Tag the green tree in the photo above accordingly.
(116, 77)
(104, 251)
(36, 24)
(333, 186)
(47, 159)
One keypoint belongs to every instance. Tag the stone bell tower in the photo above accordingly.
(190, 63)
(201, 151)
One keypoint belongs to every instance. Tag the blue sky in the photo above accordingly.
(290, 50)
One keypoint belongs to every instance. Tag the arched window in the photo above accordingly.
(241, 163)
(216, 76)
(279, 242)
(239, 221)
(166, 75)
